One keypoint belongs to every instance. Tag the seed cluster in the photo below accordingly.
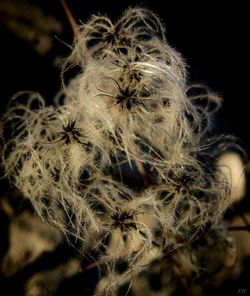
(130, 112)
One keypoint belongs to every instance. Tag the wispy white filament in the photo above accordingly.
(130, 107)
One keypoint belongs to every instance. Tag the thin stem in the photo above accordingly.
(246, 227)
(71, 18)
(239, 228)
(181, 273)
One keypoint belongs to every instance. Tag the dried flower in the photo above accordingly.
(129, 112)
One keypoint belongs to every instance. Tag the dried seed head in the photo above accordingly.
(130, 113)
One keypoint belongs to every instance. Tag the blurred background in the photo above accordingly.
(212, 38)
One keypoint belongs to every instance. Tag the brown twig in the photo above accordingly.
(70, 17)
(239, 228)
(140, 168)
(181, 273)
(246, 227)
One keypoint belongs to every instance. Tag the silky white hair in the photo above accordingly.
(130, 105)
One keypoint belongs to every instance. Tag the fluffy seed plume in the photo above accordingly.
(125, 163)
